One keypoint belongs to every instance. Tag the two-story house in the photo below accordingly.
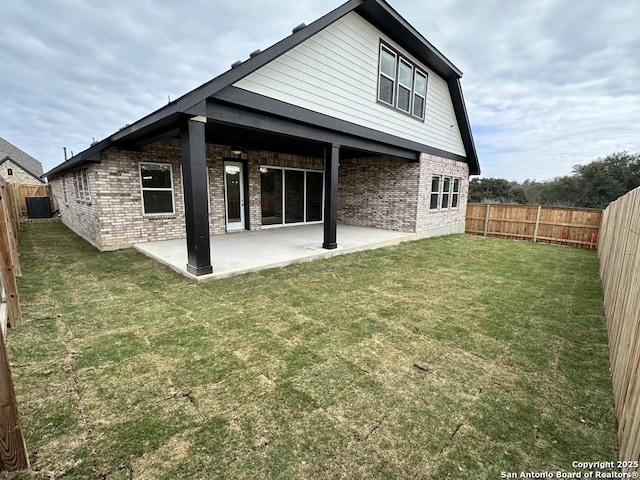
(354, 119)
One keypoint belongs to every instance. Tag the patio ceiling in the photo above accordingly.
(253, 129)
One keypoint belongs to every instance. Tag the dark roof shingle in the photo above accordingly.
(20, 157)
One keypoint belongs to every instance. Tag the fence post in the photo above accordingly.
(7, 272)
(7, 192)
(13, 451)
(535, 233)
(486, 219)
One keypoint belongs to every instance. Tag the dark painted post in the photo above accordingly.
(194, 170)
(331, 197)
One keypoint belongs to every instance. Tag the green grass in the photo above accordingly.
(125, 369)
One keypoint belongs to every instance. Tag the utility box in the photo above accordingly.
(38, 207)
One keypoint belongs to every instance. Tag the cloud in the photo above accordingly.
(548, 83)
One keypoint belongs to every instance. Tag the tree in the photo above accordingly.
(593, 185)
(606, 179)
(495, 190)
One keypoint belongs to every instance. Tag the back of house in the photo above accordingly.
(354, 119)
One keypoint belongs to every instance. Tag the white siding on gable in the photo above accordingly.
(335, 72)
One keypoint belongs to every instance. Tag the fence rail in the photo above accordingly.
(13, 452)
(576, 227)
(619, 252)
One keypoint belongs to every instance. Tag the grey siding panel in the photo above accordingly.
(336, 73)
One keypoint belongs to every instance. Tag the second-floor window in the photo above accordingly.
(401, 83)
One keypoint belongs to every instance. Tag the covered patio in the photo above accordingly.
(250, 251)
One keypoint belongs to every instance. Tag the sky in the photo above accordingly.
(548, 84)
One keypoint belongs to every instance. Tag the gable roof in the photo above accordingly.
(378, 12)
(21, 158)
(34, 175)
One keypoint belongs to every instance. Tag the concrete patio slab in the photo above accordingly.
(242, 252)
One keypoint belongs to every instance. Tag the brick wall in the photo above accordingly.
(394, 194)
(381, 192)
(114, 217)
(19, 177)
(378, 193)
(80, 215)
(443, 221)
(122, 218)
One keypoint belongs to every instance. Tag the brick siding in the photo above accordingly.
(381, 192)
(378, 193)
(79, 215)
(446, 221)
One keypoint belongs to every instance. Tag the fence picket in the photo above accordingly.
(13, 452)
(619, 252)
(576, 227)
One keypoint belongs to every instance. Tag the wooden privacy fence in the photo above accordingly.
(619, 252)
(576, 227)
(21, 192)
(13, 452)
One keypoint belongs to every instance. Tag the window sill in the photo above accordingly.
(159, 216)
(400, 111)
(441, 210)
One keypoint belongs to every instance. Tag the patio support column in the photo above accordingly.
(194, 169)
(331, 197)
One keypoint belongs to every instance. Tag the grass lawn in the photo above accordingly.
(452, 357)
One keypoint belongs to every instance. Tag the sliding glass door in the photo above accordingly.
(315, 199)
(271, 188)
(291, 196)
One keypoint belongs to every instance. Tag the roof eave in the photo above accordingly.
(462, 118)
(378, 12)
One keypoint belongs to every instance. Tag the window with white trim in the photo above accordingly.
(156, 182)
(455, 196)
(435, 193)
(84, 178)
(387, 76)
(65, 195)
(81, 185)
(405, 85)
(401, 83)
(77, 185)
(445, 192)
(419, 94)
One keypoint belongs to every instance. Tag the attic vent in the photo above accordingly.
(254, 53)
(298, 28)
(235, 64)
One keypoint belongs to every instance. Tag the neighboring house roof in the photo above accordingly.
(162, 123)
(26, 161)
(33, 174)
